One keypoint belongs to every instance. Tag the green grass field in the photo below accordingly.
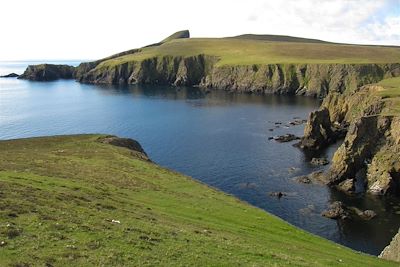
(59, 195)
(242, 51)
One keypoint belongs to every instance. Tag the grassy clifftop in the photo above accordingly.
(243, 51)
(71, 200)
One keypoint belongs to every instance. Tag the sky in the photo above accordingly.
(91, 29)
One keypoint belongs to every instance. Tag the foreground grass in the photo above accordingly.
(59, 195)
(237, 51)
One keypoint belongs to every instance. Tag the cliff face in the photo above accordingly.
(371, 146)
(202, 70)
(165, 70)
(48, 72)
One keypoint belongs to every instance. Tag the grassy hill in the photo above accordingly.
(74, 201)
(265, 49)
(278, 38)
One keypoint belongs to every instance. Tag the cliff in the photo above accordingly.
(204, 71)
(48, 72)
(371, 147)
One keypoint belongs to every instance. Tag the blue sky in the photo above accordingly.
(90, 29)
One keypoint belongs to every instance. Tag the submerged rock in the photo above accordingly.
(286, 138)
(277, 194)
(11, 75)
(315, 177)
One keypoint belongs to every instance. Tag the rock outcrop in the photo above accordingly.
(48, 72)
(371, 145)
(318, 132)
(392, 251)
(128, 143)
(11, 75)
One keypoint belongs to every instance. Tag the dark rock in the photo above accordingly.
(318, 131)
(286, 138)
(319, 161)
(297, 122)
(48, 72)
(270, 138)
(337, 210)
(11, 75)
(277, 194)
(123, 142)
(368, 214)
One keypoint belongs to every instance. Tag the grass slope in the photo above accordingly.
(177, 35)
(277, 38)
(390, 93)
(59, 195)
(233, 51)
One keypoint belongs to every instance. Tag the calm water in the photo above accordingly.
(218, 138)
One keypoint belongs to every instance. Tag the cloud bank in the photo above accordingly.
(66, 29)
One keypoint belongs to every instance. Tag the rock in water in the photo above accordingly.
(11, 75)
(286, 138)
(315, 177)
(319, 161)
(318, 131)
(337, 210)
(48, 72)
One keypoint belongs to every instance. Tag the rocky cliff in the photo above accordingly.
(48, 72)
(204, 71)
(371, 148)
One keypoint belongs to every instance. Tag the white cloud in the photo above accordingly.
(91, 29)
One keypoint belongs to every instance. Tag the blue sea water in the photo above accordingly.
(219, 138)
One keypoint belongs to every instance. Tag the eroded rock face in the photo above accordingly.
(392, 251)
(48, 72)
(318, 131)
(372, 143)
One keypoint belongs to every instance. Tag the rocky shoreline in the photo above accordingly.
(371, 145)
